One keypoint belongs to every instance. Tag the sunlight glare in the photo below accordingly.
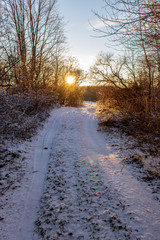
(70, 79)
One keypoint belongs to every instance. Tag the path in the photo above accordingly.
(86, 192)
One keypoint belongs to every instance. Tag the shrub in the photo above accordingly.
(133, 103)
(21, 113)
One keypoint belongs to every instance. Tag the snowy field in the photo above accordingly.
(75, 182)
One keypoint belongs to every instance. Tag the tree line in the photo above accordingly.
(33, 47)
(133, 79)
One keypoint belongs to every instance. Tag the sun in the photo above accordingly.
(70, 79)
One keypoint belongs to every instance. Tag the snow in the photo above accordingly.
(76, 185)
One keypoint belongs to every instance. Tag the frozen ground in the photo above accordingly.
(78, 185)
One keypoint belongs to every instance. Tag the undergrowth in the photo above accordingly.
(22, 113)
(134, 111)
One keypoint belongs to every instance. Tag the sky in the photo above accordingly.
(78, 15)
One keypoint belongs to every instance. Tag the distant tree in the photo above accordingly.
(108, 71)
(91, 93)
(69, 94)
(70, 65)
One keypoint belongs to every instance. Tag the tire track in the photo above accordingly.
(76, 203)
(42, 149)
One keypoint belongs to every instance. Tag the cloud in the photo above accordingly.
(96, 24)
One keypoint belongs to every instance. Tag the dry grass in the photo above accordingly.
(138, 111)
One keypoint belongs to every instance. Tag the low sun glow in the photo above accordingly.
(70, 79)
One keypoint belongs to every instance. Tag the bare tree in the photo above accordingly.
(46, 34)
(67, 66)
(32, 31)
(135, 24)
(110, 71)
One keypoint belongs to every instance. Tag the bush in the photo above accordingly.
(91, 93)
(21, 113)
(71, 95)
(74, 97)
(133, 103)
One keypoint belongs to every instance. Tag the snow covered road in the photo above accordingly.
(86, 192)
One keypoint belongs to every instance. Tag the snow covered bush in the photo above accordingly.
(21, 113)
(10, 163)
